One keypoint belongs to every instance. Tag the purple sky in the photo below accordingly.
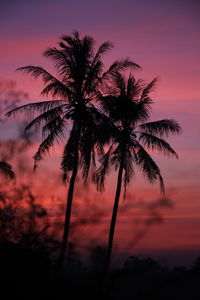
(161, 36)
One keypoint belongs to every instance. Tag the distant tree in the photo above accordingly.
(127, 105)
(6, 170)
(10, 97)
(79, 83)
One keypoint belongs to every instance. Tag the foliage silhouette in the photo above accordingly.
(80, 82)
(127, 105)
(27, 265)
(6, 170)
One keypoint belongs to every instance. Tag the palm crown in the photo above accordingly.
(128, 105)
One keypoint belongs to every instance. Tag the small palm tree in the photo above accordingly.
(128, 105)
(79, 83)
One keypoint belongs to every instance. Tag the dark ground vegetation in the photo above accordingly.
(28, 258)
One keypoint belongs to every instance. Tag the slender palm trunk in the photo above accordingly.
(68, 209)
(113, 220)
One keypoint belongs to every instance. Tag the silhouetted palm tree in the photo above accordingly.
(79, 83)
(6, 170)
(128, 105)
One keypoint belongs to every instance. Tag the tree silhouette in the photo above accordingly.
(6, 170)
(79, 83)
(127, 105)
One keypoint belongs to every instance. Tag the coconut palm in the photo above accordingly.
(78, 84)
(128, 105)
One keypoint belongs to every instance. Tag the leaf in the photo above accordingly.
(153, 142)
(37, 106)
(161, 127)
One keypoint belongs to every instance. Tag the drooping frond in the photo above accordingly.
(6, 170)
(48, 142)
(148, 166)
(96, 133)
(44, 117)
(99, 175)
(155, 143)
(87, 146)
(57, 122)
(55, 89)
(128, 169)
(143, 109)
(37, 71)
(41, 107)
(149, 88)
(161, 127)
(63, 61)
(117, 156)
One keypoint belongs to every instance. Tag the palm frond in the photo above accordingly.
(87, 142)
(55, 89)
(149, 88)
(134, 87)
(161, 127)
(57, 122)
(117, 156)
(103, 49)
(37, 106)
(153, 142)
(48, 142)
(119, 83)
(128, 169)
(143, 109)
(37, 71)
(63, 60)
(148, 166)
(46, 116)
(99, 175)
(93, 80)
(57, 55)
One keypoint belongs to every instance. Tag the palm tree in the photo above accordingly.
(128, 105)
(79, 83)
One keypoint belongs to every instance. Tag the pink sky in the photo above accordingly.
(161, 36)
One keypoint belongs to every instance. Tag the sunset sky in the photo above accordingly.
(164, 38)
